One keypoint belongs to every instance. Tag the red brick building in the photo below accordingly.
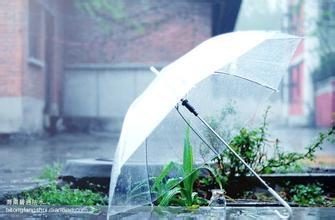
(311, 90)
(30, 65)
(57, 61)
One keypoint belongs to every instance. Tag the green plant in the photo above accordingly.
(174, 191)
(302, 195)
(52, 194)
(308, 195)
(51, 172)
(190, 174)
(65, 195)
(223, 129)
(182, 194)
(250, 144)
(103, 12)
(109, 14)
(165, 188)
(284, 161)
(326, 68)
(253, 146)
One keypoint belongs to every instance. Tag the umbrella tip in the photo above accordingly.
(154, 70)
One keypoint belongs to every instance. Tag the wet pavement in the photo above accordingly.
(241, 213)
(22, 159)
(49, 212)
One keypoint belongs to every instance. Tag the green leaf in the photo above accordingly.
(188, 166)
(217, 177)
(168, 196)
(188, 154)
(170, 183)
(139, 185)
(166, 170)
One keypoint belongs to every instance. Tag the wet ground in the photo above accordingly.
(241, 213)
(22, 158)
(48, 212)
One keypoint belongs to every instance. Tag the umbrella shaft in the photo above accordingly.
(270, 190)
(232, 150)
(187, 105)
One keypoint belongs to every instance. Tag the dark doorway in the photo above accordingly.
(51, 120)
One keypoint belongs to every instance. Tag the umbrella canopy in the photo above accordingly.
(260, 57)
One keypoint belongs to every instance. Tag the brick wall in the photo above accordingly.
(11, 47)
(167, 30)
(325, 103)
(23, 94)
(155, 32)
(105, 72)
(48, 66)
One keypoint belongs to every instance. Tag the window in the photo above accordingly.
(295, 84)
(35, 25)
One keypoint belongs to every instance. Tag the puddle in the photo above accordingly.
(241, 213)
(204, 213)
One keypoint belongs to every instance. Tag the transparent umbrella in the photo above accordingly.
(236, 71)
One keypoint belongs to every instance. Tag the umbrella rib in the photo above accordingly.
(241, 77)
(146, 163)
(197, 133)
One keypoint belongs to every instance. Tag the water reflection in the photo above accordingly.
(244, 213)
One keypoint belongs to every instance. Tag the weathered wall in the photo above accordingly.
(42, 78)
(23, 77)
(11, 53)
(325, 102)
(167, 29)
(103, 91)
(105, 73)
(11, 48)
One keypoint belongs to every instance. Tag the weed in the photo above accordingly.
(52, 194)
(308, 195)
(51, 172)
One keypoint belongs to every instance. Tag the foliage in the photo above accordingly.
(250, 145)
(300, 194)
(190, 174)
(323, 31)
(308, 195)
(286, 160)
(52, 194)
(321, 28)
(225, 130)
(164, 188)
(253, 145)
(65, 195)
(326, 68)
(324, 26)
(51, 172)
(175, 191)
(182, 194)
(108, 14)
